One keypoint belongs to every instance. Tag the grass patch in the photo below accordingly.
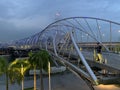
(28, 89)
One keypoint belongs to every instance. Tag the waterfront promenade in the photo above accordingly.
(62, 82)
(58, 82)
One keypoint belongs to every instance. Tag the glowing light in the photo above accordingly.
(86, 34)
(103, 34)
(106, 87)
(57, 14)
(99, 27)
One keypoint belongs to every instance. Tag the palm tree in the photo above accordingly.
(17, 70)
(43, 58)
(2, 65)
(4, 69)
(33, 61)
(40, 60)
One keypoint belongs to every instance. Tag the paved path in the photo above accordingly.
(62, 82)
(59, 82)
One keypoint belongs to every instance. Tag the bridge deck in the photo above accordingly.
(113, 61)
(112, 65)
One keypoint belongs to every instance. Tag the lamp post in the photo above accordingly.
(87, 37)
(22, 77)
(119, 35)
(49, 75)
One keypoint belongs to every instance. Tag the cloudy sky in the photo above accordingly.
(22, 18)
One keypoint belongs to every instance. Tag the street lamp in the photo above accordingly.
(87, 37)
(118, 37)
(49, 75)
(22, 72)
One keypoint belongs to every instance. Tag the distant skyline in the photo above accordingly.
(22, 18)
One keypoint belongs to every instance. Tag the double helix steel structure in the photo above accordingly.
(72, 41)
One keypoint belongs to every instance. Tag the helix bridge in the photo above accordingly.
(72, 42)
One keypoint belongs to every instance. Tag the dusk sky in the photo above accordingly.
(22, 18)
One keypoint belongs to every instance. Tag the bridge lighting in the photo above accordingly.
(103, 34)
(87, 37)
(99, 27)
(82, 36)
(86, 34)
(57, 14)
(106, 87)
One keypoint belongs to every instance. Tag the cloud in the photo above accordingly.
(30, 22)
(25, 17)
